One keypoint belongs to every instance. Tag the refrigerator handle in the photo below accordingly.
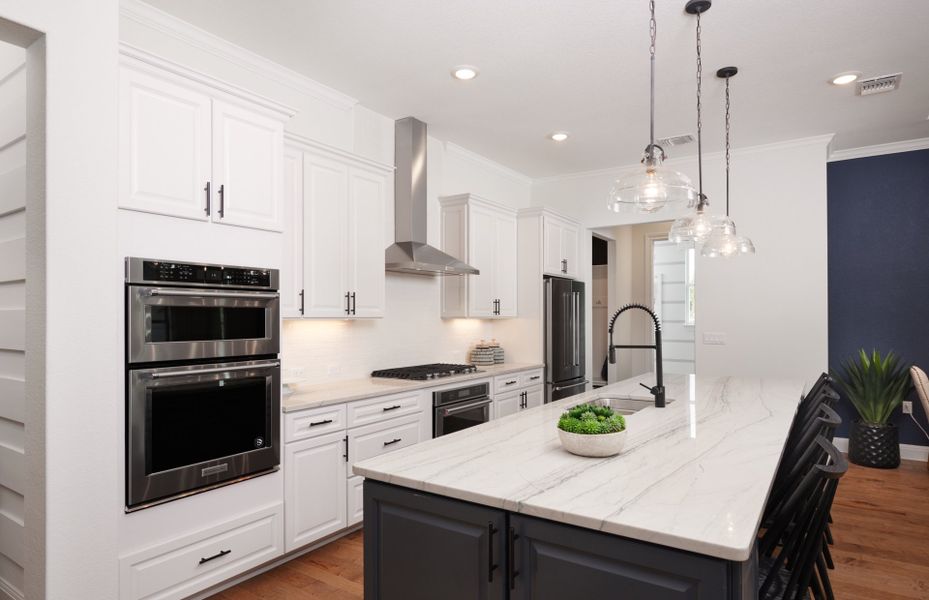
(577, 328)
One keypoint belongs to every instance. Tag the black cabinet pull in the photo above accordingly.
(392, 442)
(345, 456)
(534, 377)
(302, 295)
(206, 208)
(320, 422)
(220, 554)
(222, 201)
(394, 407)
(348, 306)
(510, 382)
(353, 304)
(491, 567)
(511, 557)
(564, 265)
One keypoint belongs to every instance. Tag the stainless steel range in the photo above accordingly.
(203, 381)
(423, 372)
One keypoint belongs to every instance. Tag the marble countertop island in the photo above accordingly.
(694, 475)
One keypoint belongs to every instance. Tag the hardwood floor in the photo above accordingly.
(881, 549)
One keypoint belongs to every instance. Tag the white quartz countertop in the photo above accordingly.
(316, 395)
(694, 475)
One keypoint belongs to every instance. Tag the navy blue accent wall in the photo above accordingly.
(879, 266)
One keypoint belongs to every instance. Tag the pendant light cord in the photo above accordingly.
(653, 33)
(702, 199)
(727, 145)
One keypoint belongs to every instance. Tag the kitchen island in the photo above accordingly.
(501, 510)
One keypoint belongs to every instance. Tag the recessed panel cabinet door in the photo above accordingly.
(367, 210)
(570, 250)
(292, 265)
(506, 404)
(505, 265)
(423, 547)
(552, 256)
(325, 259)
(555, 561)
(482, 230)
(314, 489)
(247, 167)
(164, 147)
(534, 396)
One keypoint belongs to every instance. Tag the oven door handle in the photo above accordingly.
(211, 294)
(163, 374)
(447, 412)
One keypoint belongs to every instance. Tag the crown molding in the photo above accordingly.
(158, 20)
(823, 140)
(302, 143)
(879, 149)
(487, 163)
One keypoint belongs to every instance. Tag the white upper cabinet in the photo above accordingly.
(192, 147)
(165, 147)
(482, 234)
(337, 252)
(247, 164)
(291, 282)
(560, 246)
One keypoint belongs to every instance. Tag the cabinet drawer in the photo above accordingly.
(373, 440)
(506, 383)
(313, 422)
(531, 378)
(356, 499)
(380, 409)
(181, 567)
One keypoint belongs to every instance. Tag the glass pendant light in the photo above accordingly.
(723, 240)
(656, 186)
(694, 228)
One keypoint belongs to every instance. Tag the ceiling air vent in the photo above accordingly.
(675, 140)
(879, 85)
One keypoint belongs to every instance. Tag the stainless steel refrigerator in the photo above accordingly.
(565, 373)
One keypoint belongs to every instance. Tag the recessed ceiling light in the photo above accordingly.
(464, 72)
(559, 136)
(845, 78)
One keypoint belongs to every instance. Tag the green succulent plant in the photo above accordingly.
(590, 419)
(875, 385)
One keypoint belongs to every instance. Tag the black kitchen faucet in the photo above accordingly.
(658, 390)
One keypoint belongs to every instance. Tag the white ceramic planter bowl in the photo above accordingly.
(595, 446)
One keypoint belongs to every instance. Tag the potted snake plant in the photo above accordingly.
(875, 386)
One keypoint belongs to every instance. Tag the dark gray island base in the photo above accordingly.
(423, 546)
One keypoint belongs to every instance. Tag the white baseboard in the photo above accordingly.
(907, 451)
(8, 592)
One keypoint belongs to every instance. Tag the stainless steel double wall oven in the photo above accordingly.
(203, 384)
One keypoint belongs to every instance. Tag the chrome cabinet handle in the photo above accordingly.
(219, 554)
(211, 294)
(214, 370)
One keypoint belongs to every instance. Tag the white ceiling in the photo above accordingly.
(582, 66)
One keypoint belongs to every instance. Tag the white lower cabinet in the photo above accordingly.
(178, 568)
(380, 438)
(355, 499)
(314, 489)
(514, 392)
(506, 404)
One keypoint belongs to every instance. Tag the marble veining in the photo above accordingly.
(694, 475)
(324, 394)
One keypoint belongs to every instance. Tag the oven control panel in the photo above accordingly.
(171, 272)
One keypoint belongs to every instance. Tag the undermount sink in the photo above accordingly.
(628, 405)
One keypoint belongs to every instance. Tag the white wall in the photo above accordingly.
(12, 317)
(772, 306)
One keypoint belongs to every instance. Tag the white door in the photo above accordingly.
(325, 229)
(164, 147)
(551, 247)
(505, 264)
(247, 163)
(314, 489)
(534, 397)
(672, 298)
(482, 226)
(366, 225)
(570, 250)
(292, 264)
(506, 404)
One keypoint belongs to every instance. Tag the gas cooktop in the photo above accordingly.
(433, 371)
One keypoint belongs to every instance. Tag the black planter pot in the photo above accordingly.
(875, 446)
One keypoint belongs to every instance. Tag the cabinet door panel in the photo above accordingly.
(165, 147)
(534, 396)
(551, 247)
(482, 234)
(558, 561)
(247, 162)
(506, 404)
(423, 547)
(570, 251)
(325, 262)
(505, 264)
(314, 489)
(367, 210)
(292, 265)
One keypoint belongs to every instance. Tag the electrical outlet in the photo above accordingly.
(907, 407)
(333, 370)
(714, 338)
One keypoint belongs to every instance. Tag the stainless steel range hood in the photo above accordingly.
(411, 253)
